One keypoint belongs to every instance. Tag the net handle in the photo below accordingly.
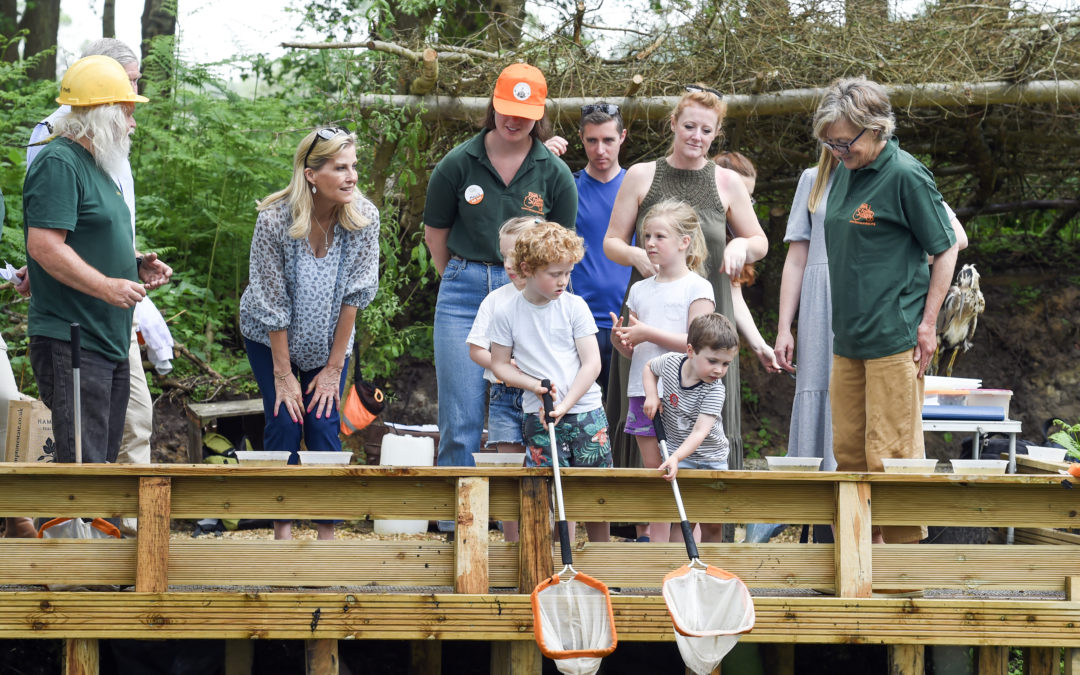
(564, 528)
(688, 532)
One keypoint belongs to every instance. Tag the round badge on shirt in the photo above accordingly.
(474, 194)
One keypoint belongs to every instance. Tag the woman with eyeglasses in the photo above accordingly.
(503, 172)
(314, 263)
(884, 214)
(721, 201)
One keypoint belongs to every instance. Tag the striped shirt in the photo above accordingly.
(682, 405)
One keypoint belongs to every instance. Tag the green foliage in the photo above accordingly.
(1068, 437)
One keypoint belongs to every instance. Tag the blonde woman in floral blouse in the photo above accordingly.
(314, 263)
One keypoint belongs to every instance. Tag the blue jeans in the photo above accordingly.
(281, 433)
(462, 387)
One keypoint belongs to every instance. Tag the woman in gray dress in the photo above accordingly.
(805, 288)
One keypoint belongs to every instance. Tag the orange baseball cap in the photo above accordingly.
(520, 91)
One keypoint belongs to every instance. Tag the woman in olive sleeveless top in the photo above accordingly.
(720, 199)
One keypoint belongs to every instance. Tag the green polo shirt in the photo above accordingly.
(880, 223)
(466, 195)
(65, 189)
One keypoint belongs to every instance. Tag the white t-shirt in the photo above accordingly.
(664, 306)
(478, 335)
(543, 339)
(122, 177)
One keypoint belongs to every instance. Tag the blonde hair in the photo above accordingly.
(684, 222)
(826, 164)
(298, 194)
(516, 226)
(705, 99)
(862, 102)
(546, 243)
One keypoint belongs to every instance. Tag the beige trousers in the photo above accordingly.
(138, 423)
(877, 412)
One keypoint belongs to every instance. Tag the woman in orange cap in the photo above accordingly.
(501, 173)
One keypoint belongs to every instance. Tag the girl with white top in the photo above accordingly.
(661, 308)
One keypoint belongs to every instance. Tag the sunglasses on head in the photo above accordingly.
(606, 108)
(324, 133)
(698, 87)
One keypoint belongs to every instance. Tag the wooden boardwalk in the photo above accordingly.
(256, 582)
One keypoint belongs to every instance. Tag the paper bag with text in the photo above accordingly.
(29, 433)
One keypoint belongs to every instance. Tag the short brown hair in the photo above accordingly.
(712, 331)
(545, 244)
(737, 162)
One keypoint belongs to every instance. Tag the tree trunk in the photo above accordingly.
(504, 31)
(108, 19)
(42, 19)
(9, 24)
(158, 18)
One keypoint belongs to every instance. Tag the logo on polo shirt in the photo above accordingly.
(864, 215)
(534, 203)
(474, 194)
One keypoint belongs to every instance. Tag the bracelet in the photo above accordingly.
(138, 261)
(282, 377)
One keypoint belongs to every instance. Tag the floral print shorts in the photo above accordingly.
(582, 439)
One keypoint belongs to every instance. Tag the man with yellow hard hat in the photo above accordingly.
(81, 258)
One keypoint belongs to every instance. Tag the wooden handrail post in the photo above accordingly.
(152, 560)
(906, 660)
(534, 565)
(321, 657)
(854, 572)
(81, 656)
(471, 536)
(993, 660)
(1072, 654)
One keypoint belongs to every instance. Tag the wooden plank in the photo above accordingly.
(471, 536)
(1044, 535)
(758, 565)
(906, 660)
(779, 659)
(152, 561)
(194, 436)
(504, 497)
(975, 503)
(971, 567)
(300, 496)
(1040, 661)
(1072, 655)
(209, 411)
(716, 501)
(825, 620)
(59, 561)
(425, 657)
(993, 660)
(321, 657)
(70, 495)
(852, 559)
(81, 656)
(239, 657)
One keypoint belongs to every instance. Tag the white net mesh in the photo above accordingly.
(574, 617)
(709, 609)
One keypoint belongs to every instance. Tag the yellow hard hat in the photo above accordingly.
(97, 80)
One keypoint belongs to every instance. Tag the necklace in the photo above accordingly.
(325, 233)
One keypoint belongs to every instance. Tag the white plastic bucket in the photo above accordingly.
(404, 450)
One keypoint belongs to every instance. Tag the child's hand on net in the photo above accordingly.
(670, 468)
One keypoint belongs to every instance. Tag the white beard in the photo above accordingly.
(113, 158)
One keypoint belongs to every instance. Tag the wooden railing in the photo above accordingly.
(476, 589)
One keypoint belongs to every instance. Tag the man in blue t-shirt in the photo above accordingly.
(601, 282)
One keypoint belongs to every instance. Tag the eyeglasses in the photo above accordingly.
(843, 148)
(606, 108)
(325, 133)
(698, 87)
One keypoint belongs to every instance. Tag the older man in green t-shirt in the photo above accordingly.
(884, 215)
(79, 248)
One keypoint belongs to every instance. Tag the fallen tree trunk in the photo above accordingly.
(791, 101)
